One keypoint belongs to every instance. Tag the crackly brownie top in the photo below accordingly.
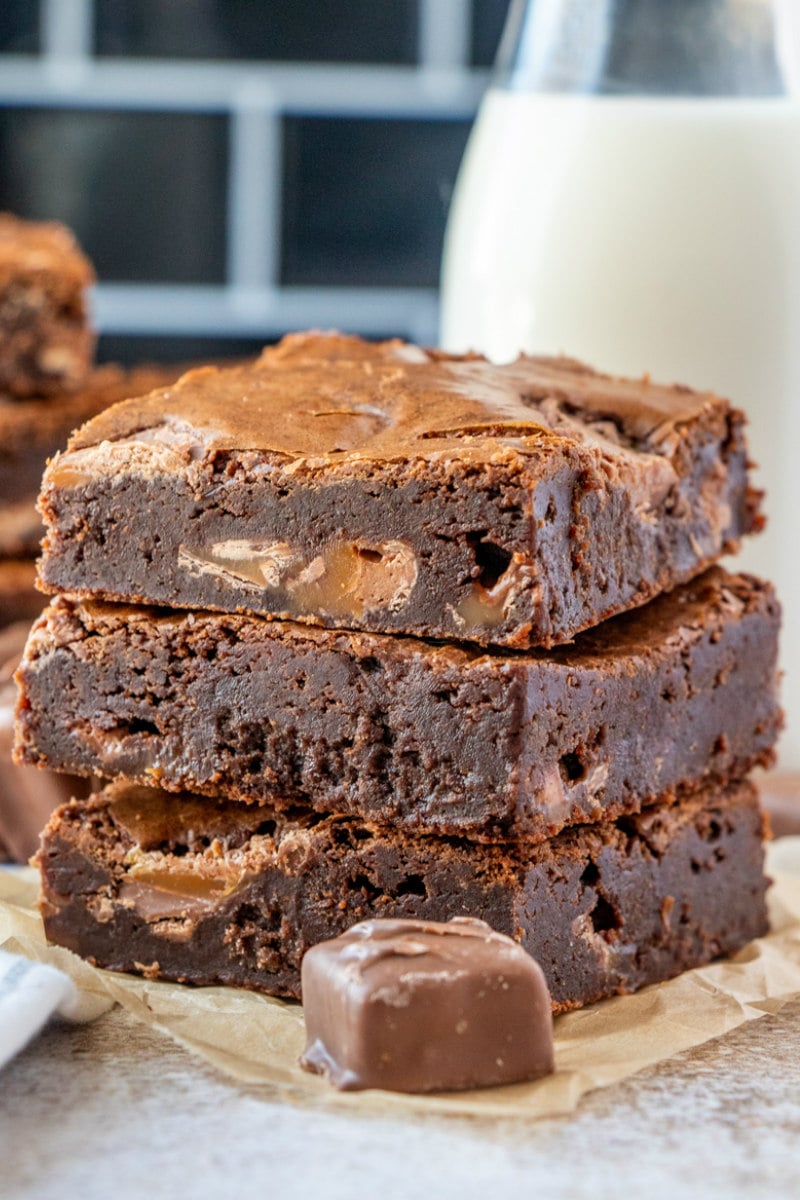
(41, 247)
(325, 399)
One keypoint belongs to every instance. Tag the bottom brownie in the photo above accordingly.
(204, 893)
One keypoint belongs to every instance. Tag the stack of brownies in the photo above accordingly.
(48, 387)
(369, 631)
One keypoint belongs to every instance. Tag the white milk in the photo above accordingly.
(658, 235)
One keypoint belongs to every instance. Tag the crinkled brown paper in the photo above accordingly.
(257, 1040)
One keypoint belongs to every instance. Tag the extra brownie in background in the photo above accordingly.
(207, 893)
(19, 598)
(48, 384)
(392, 489)
(34, 429)
(780, 799)
(429, 737)
(48, 388)
(27, 796)
(46, 343)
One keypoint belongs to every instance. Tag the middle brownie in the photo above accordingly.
(434, 738)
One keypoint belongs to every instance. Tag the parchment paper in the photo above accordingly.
(257, 1040)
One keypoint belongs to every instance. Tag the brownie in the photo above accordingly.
(19, 599)
(31, 431)
(46, 344)
(214, 893)
(436, 738)
(27, 796)
(392, 489)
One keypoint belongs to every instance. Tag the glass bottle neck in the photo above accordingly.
(650, 47)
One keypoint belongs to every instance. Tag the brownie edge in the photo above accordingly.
(207, 893)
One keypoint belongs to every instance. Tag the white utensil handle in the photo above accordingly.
(29, 993)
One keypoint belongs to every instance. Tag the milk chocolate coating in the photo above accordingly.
(393, 489)
(424, 1006)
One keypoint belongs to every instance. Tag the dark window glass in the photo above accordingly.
(366, 200)
(133, 349)
(488, 18)
(294, 30)
(19, 26)
(144, 192)
(130, 349)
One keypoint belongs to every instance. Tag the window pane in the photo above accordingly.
(19, 26)
(144, 192)
(366, 200)
(294, 30)
(130, 349)
(488, 18)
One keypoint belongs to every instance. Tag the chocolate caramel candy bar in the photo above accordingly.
(425, 1006)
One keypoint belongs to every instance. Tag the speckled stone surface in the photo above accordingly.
(114, 1111)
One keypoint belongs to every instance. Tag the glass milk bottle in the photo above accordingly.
(630, 195)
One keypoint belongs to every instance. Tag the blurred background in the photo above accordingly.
(238, 168)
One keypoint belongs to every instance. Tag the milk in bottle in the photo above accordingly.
(646, 218)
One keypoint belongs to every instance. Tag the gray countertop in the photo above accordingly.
(113, 1110)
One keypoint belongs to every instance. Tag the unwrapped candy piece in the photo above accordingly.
(425, 1006)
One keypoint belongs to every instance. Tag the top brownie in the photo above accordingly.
(394, 489)
(46, 344)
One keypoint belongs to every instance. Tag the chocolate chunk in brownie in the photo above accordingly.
(435, 738)
(392, 489)
(213, 893)
(425, 1006)
(47, 344)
